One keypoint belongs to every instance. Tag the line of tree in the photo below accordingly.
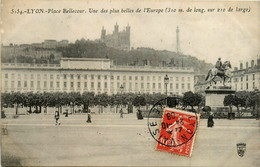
(243, 99)
(40, 101)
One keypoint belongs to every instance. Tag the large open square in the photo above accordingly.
(34, 140)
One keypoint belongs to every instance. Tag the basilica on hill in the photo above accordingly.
(118, 39)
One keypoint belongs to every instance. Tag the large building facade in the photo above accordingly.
(94, 75)
(247, 78)
(118, 39)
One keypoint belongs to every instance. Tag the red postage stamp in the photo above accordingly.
(178, 129)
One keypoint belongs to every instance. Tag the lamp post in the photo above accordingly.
(121, 110)
(166, 81)
(139, 95)
(71, 110)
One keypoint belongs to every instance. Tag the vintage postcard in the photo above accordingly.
(130, 83)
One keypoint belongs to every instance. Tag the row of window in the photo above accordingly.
(72, 76)
(72, 84)
(247, 86)
(242, 78)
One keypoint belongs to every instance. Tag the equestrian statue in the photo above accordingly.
(221, 70)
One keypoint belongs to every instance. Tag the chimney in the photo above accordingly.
(247, 65)
(252, 63)
(258, 63)
(241, 66)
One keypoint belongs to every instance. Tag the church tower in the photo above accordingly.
(116, 27)
(103, 34)
(178, 50)
(128, 29)
(127, 42)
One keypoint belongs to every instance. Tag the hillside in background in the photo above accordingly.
(96, 49)
(139, 57)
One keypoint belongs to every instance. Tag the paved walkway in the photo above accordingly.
(34, 140)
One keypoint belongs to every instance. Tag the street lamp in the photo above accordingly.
(166, 81)
(121, 111)
(71, 109)
(121, 89)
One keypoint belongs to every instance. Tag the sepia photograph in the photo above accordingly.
(130, 83)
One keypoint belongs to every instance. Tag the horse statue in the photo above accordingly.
(224, 73)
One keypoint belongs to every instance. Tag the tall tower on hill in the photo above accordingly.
(178, 49)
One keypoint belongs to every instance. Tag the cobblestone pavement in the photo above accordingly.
(35, 140)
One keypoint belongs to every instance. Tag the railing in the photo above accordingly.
(131, 68)
(236, 115)
(27, 65)
(152, 68)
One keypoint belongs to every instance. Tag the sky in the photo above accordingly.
(233, 36)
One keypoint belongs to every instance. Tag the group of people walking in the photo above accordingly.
(57, 117)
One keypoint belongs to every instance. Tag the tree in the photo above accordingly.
(30, 100)
(74, 99)
(47, 100)
(102, 100)
(127, 99)
(191, 99)
(252, 100)
(148, 99)
(228, 101)
(17, 98)
(38, 97)
(115, 100)
(243, 95)
(139, 100)
(256, 99)
(87, 99)
(240, 100)
(154, 98)
(5, 99)
(237, 102)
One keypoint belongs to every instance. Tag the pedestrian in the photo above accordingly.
(210, 120)
(57, 117)
(66, 113)
(139, 115)
(121, 113)
(89, 118)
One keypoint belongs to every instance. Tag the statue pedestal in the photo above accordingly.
(215, 97)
